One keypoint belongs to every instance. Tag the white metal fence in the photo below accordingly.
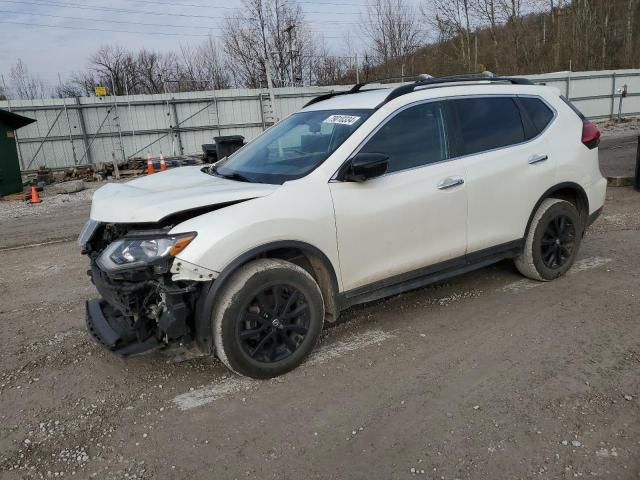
(88, 130)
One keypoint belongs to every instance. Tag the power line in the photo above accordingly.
(98, 19)
(144, 12)
(70, 27)
(107, 20)
(104, 29)
(104, 9)
(199, 5)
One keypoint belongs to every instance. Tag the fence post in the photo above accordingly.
(174, 109)
(73, 146)
(568, 86)
(613, 95)
(264, 125)
(83, 131)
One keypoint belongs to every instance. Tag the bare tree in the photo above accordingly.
(328, 69)
(204, 66)
(3, 92)
(513, 12)
(452, 18)
(393, 29)
(112, 66)
(268, 31)
(68, 89)
(488, 13)
(25, 85)
(628, 41)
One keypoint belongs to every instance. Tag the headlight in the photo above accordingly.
(136, 252)
(87, 232)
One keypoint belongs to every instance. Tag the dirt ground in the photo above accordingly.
(486, 376)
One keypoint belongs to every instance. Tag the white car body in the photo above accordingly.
(379, 227)
(356, 231)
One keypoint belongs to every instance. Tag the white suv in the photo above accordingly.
(358, 196)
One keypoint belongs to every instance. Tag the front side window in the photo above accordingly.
(414, 137)
(489, 123)
(292, 148)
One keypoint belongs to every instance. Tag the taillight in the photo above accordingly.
(590, 135)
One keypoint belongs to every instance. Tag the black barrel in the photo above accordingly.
(210, 152)
(228, 144)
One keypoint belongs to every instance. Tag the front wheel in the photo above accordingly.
(268, 318)
(552, 242)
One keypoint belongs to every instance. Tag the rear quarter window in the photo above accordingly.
(488, 123)
(539, 113)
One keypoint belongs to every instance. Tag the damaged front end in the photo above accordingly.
(142, 307)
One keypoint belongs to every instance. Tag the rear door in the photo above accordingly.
(509, 161)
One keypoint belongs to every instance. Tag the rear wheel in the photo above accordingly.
(268, 318)
(552, 242)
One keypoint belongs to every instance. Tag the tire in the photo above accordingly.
(548, 254)
(258, 337)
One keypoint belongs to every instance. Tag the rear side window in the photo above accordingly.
(489, 123)
(414, 137)
(539, 113)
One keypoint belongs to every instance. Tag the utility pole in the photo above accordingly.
(289, 31)
(215, 104)
(133, 129)
(117, 116)
(272, 97)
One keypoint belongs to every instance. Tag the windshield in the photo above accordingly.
(292, 148)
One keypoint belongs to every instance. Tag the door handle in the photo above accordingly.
(450, 183)
(538, 158)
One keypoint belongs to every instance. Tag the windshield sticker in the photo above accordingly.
(342, 119)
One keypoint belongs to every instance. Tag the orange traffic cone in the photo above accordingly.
(150, 168)
(163, 164)
(35, 198)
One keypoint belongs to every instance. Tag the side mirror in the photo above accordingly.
(364, 166)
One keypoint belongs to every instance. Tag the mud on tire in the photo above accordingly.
(268, 318)
(552, 241)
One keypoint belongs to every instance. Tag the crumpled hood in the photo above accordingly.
(152, 198)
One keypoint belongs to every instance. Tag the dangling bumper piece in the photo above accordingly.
(111, 331)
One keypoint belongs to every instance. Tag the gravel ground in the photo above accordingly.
(486, 376)
(613, 129)
(51, 204)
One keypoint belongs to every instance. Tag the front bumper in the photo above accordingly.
(108, 330)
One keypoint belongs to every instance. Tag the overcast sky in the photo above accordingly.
(55, 36)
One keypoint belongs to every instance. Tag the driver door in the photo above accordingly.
(410, 218)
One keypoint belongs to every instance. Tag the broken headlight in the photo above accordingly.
(137, 252)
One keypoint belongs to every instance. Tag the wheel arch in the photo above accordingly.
(307, 256)
(569, 191)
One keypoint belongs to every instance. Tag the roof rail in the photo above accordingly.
(483, 77)
(424, 81)
(355, 89)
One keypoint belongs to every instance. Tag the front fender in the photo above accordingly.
(300, 212)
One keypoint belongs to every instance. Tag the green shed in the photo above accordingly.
(10, 179)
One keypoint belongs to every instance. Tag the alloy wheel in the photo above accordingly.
(558, 242)
(274, 323)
